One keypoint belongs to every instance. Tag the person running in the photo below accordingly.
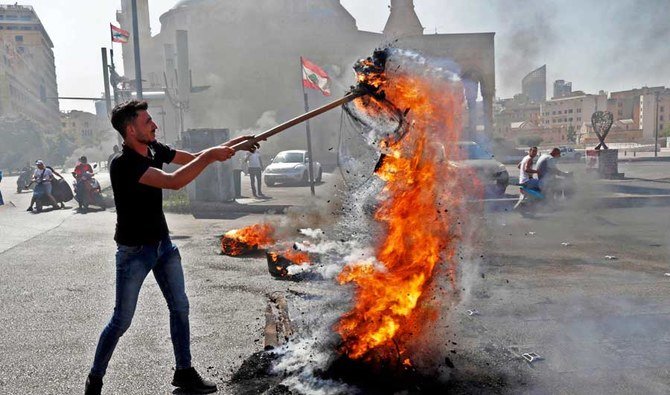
(142, 236)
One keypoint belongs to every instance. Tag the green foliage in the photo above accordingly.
(530, 141)
(572, 134)
(22, 141)
(176, 201)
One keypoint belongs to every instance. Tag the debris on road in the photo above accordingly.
(565, 244)
(473, 312)
(610, 257)
(531, 357)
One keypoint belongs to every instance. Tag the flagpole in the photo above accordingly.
(309, 134)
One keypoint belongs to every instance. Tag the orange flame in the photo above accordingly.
(418, 210)
(240, 241)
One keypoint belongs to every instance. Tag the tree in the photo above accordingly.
(530, 141)
(22, 141)
(572, 134)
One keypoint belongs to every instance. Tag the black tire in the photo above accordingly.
(319, 176)
(269, 183)
(499, 190)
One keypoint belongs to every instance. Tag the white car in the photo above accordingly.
(568, 153)
(291, 167)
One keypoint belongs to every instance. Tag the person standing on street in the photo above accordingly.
(255, 168)
(142, 237)
(1, 201)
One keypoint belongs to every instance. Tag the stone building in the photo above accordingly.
(572, 111)
(27, 70)
(84, 127)
(646, 107)
(242, 62)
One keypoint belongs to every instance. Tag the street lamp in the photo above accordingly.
(656, 127)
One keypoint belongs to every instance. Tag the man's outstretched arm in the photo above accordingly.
(159, 179)
(184, 157)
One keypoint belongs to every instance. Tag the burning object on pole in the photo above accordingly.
(238, 242)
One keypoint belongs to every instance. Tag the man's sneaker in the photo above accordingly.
(190, 381)
(29, 209)
(93, 385)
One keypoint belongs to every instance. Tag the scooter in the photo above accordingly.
(88, 193)
(23, 182)
(60, 190)
(529, 198)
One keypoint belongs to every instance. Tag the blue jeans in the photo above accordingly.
(133, 264)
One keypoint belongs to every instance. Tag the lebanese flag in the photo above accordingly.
(314, 77)
(119, 35)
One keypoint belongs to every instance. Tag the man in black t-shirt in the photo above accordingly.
(143, 241)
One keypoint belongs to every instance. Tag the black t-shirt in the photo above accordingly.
(139, 208)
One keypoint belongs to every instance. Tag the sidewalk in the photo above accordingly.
(277, 200)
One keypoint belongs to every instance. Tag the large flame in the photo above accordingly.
(418, 214)
(240, 241)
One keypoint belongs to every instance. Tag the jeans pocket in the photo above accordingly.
(131, 250)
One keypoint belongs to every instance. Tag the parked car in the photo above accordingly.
(570, 154)
(291, 167)
(492, 174)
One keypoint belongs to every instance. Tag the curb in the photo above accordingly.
(202, 208)
(645, 159)
(506, 204)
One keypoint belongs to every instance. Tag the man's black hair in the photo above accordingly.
(125, 113)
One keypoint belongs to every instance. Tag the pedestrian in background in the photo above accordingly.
(1, 201)
(255, 169)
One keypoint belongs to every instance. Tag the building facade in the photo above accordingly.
(573, 111)
(534, 85)
(562, 88)
(85, 127)
(27, 69)
(243, 61)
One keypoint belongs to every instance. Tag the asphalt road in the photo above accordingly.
(600, 324)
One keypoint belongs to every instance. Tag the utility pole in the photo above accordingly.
(115, 81)
(105, 74)
(136, 47)
(656, 126)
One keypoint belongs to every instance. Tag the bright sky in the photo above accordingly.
(618, 52)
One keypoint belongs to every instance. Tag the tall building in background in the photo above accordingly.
(27, 69)
(232, 85)
(534, 85)
(562, 88)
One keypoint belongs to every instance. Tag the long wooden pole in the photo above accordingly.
(297, 120)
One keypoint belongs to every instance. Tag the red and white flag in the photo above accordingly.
(119, 35)
(314, 77)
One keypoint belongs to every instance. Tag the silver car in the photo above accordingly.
(491, 173)
(291, 167)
